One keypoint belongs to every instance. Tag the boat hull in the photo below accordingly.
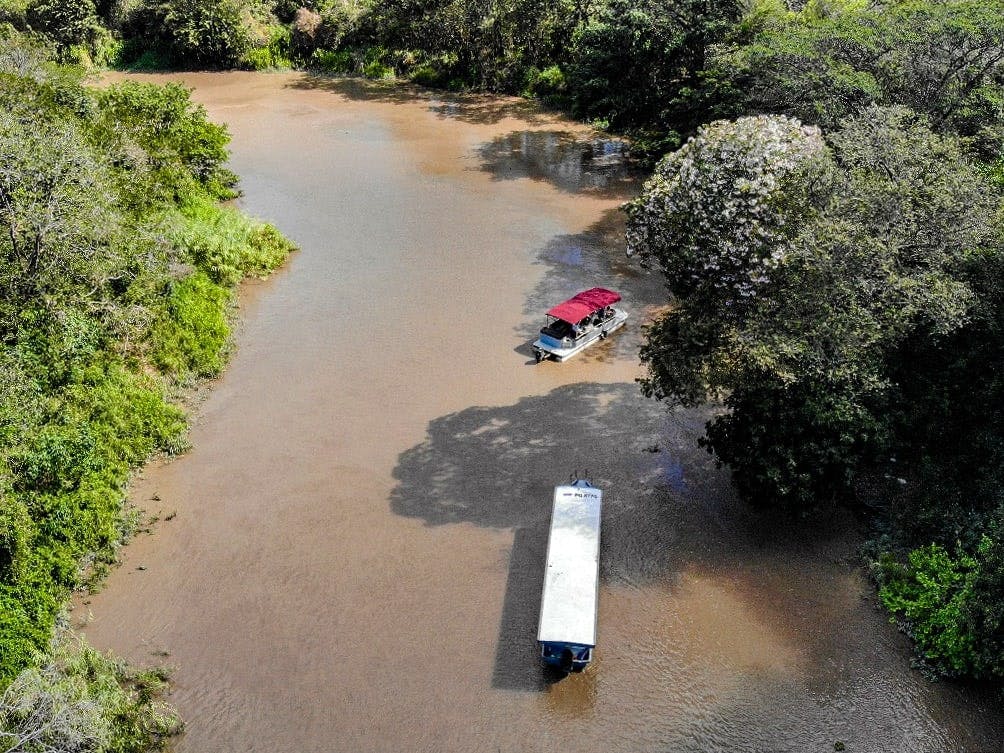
(542, 349)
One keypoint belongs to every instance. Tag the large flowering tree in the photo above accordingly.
(799, 269)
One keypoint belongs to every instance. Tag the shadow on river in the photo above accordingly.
(666, 507)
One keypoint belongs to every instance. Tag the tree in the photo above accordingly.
(491, 44)
(635, 63)
(68, 22)
(194, 32)
(831, 59)
(170, 134)
(799, 268)
(56, 215)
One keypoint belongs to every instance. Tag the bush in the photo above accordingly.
(951, 605)
(82, 700)
(182, 146)
(227, 245)
(547, 82)
(194, 33)
(427, 75)
(274, 54)
(332, 62)
(135, 57)
(929, 595)
(375, 63)
(192, 336)
(377, 70)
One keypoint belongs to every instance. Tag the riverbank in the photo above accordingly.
(119, 274)
(362, 519)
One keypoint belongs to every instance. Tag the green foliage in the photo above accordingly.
(226, 244)
(55, 206)
(276, 53)
(377, 69)
(67, 22)
(829, 60)
(930, 595)
(951, 605)
(134, 57)
(106, 198)
(800, 271)
(81, 700)
(637, 63)
(193, 335)
(183, 153)
(547, 83)
(427, 75)
(331, 62)
(205, 32)
(490, 46)
(193, 33)
(67, 461)
(105, 49)
(14, 12)
(983, 610)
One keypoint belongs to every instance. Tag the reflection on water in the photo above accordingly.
(564, 159)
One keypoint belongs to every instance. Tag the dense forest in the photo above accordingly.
(825, 206)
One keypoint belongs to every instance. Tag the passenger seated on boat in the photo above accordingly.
(557, 329)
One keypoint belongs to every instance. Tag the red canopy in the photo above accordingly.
(581, 305)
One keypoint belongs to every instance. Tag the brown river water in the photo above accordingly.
(356, 554)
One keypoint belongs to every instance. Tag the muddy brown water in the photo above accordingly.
(355, 559)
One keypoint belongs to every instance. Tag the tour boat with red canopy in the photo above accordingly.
(577, 323)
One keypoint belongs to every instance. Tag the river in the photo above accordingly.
(350, 556)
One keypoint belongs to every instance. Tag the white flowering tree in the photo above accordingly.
(801, 268)
(719, 214)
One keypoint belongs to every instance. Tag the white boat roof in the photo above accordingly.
(571, 580)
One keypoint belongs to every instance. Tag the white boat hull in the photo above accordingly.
(543, 350)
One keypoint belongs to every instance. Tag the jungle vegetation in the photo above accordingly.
(826, 213)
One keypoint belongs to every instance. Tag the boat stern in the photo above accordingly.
(568, 657)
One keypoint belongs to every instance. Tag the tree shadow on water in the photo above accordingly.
(476, 109)
(568, 161)
(497, 467)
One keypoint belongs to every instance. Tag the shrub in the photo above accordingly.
(377, 70)
(929, 595)
(951, 605)
(374, 63)
(332, 62)
(274, 54)
(192, 337)
(82, 700)
(16, 534)
(227, 245)
(195, 33)
(427, 75)
(547, 82)
(180, 142)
